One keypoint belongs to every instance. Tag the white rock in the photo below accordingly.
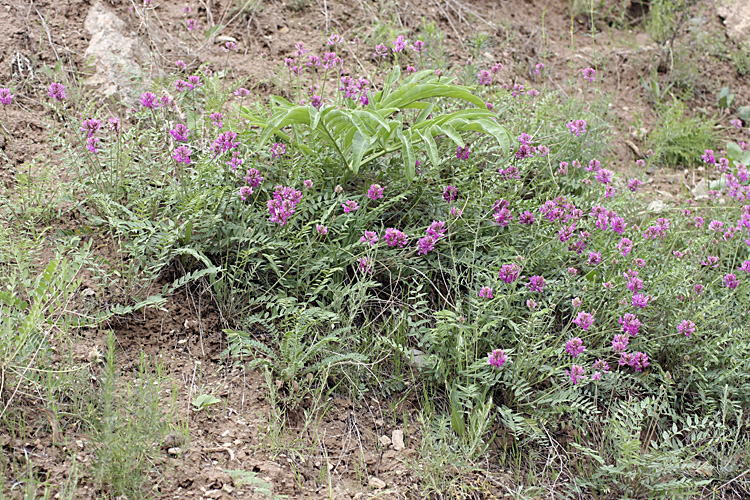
(385, 441)
(397, 438)
(114, 54)
(376, 484)
(736, 15)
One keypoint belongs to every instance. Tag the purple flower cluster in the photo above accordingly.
(637, 360)
(224, 142)
(5, 96)
(687, 327)
(497, 358)
(436, 231)
(283, 204)
(502, 214)
(577, 127)
(375, 192)
(370, 237)
(485, 292)
(509, 272)
(575, 347)
(57, 91)
(630, 324)
(537, 283)
(584, 320)
(395, 238)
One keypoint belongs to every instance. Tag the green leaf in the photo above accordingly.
(205, 400)
(457, 418)
(407, 153)
(431, 147)
(449, 131)
(360, 144)
(213, 30)
(744, 113)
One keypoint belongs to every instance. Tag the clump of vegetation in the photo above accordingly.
(676, 136)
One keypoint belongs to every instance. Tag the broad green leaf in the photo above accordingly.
(449, 131)
(431, 147)
(407, 153)
(427, 111)
(360, 144)
(205, 400)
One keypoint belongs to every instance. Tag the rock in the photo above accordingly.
(175, 452)
(736, 16)
(417, 358)
(379, 422)
(171, 440)
(397, 438)
(700, 190)
(385, 441)
(656, 206)
(114, 54)
(375, 483)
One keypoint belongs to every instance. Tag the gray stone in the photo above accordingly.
(376, 484)
(114, 55)
(736, 16)
(398, 440)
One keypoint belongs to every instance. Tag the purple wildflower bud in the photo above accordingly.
(399, 44)
(509, 272)
(531, 304)
(418, 46)
(350, 206)
(536, 284)
(180, 132)
(375, 192)
(5, 96)
(620, 343)
(321, 229)
(687, 327)
(92, 144)
(450, 193)
(180, 64)
(148, 100)
(245, 192)
(577, 127)
(57, 91)
(365, 265)
(242, 92)
(497, 358)
(731, 281)
(589, 74)
(370, 237)
(425, 245)
(395, 238)
(486, 292)
(584, 320)
(182, 155)
(216, 119)
(575, 347)
(192, 24)
(640, 300)
(576, 374)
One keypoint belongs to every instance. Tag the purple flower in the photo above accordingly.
(572, 271)
(180, 132)
(242, 92)
(370, 237)
(502, 217)
(576, 302)
(425, 245)
(307, 183)
(180, 64)
(636, 360)
(640, 300)
(182, 155)
(335, 38)
(484, 77)
(216, 119)
(375, 192)
(589, 74)
(620, 343)
(230, 45)
(321, 229)
(278, 149)
(224, 142)
(456, 212)
(531, 304)
(596, 376)
(485, 292)
(245, 192)
(687, 327)
(194, 81)
(601, 365)
(575, 347)
(5, 96)
(436, 229)
(57, 91)
(745, 266)
(708, 156)
(253, 177)
(350, 206)
(148, 100)
(192, 24)
(114, 124)
(536, 284)
(576, 374)
(399, 44)
(497, 358)
(731, 281)
(577, 127)
(91, 126)
(236, 161)
(542, 150)
(630, 324)
(450, 193)
(381, 51)
(525, 151)
(92, 144)
(182, 86)
(526, 218)
(594, 258)
(283, 204)
(365, 265)
(509, 272)
(604, 176)
(418, 46)
(625, 246)
(395, 238)
(462, 153)
(584, 320)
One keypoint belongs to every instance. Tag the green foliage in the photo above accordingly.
(360, 136)
(679, 140)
